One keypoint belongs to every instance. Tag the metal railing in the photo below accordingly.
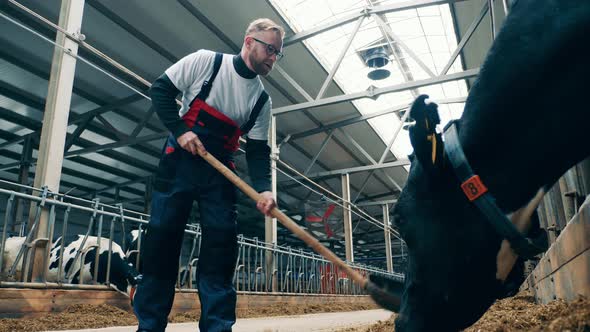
(260, 266)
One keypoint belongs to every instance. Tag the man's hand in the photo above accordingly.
(266, 202)
(191, 143)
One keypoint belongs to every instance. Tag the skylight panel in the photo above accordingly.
(428, 32)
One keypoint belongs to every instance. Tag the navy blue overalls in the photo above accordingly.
(180, 179)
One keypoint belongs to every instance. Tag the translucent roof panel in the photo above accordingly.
(427, 32)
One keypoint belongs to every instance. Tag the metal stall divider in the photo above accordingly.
(295, 271)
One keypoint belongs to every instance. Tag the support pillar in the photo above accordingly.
(55, 118)
(347, 218)
(387, 238)
(270, 224)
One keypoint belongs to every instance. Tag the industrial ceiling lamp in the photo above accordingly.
(377, 58)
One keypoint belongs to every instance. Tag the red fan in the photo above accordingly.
(323, 219)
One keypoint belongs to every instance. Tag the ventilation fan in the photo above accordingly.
(323, 219)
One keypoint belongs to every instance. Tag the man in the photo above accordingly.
(222, 98)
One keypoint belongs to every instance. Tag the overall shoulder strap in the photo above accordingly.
(206, 88)
(262, 99)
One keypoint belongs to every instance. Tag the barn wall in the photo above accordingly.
(564, 199)
(564, 271)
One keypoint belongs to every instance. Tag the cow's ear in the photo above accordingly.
(427, 143)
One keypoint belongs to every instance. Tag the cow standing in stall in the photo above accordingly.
(186, 274)
(133, 247)
(122, 275)
(525, 123)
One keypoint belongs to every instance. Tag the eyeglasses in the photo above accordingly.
(270, 49)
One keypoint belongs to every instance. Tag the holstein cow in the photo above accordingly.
(122, 275)
(133, 247)
(525, 122)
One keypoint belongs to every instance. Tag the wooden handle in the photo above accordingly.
(286, 221)
(521, 218)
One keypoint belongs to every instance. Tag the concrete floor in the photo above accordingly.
(314, 322)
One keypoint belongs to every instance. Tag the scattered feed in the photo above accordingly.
(519, 313)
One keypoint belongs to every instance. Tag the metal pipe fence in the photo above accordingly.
(260, 267)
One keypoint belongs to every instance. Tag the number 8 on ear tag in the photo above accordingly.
(473, 188)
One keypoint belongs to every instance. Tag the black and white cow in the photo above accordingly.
(122, 275)
(526, 121)
(133, 247)
(132, 251)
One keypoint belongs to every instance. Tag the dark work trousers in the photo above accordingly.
(182, 178)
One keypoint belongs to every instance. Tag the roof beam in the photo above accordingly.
(66, 184)
(48, 29)
(373, 92)
(322, 147)
(37, 103)
(365, 117)
(24, 121)
(364, 12)
(370, 158)
(132, 30)
(124, 142)
(388, 201)
(399, 163)
(466, 36)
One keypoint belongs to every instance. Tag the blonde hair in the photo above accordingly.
(264, 24)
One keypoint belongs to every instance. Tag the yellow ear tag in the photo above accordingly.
(432, 139)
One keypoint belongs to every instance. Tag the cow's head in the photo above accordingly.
(133, 245)
(451, 277)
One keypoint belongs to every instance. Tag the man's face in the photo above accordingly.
(263, 50)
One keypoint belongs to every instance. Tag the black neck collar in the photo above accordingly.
(479, 195)
(241, 67)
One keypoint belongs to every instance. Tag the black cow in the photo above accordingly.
(525, 123)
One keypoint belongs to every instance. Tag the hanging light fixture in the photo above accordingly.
(376, 57)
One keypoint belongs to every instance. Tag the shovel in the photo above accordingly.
(384, 292)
